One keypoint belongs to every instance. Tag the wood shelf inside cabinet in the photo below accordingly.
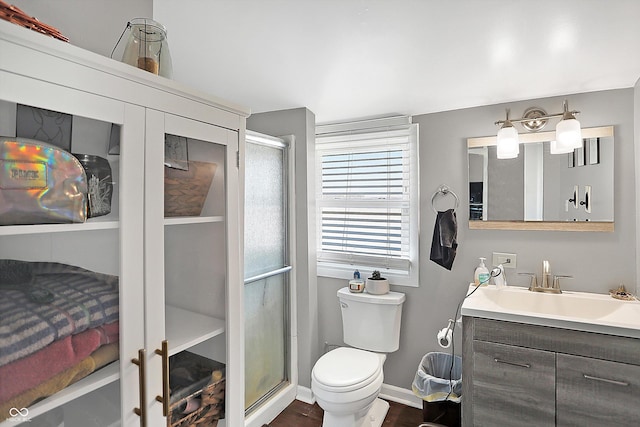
(178, 220)
(96, 380)
(92, 224)
(185, 328)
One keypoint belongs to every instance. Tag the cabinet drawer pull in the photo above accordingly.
(606, 380)
(522, 365)
(164, 352)
(142, 378)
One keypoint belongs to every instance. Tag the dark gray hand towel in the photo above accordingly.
(444, 244)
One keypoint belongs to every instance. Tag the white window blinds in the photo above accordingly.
(367, 200)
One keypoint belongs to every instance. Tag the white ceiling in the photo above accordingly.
(347, 59)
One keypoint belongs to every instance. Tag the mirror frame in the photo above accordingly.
(527, 138)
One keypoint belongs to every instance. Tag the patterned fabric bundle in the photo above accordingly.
(42, 302)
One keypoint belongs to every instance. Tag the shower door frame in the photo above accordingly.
(278, 398)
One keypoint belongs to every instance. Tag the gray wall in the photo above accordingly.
(300, 122)
(89, 24)
(598, 261)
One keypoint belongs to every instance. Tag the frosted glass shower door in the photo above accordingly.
(266, 262)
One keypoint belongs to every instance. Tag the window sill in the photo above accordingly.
(395, 277)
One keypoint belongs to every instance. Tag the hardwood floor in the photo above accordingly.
(300, 414)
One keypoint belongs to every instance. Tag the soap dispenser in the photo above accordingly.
(481, 276)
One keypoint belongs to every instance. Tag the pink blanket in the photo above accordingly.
(99, 358)
(28, 372)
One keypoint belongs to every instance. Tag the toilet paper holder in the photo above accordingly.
(445, 335)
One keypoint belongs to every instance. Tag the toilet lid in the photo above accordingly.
(344, 368)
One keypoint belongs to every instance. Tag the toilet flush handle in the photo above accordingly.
(344, 305)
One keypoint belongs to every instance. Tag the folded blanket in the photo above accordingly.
(105, 355)
(26, 373)
(101, 357)
(80, 300)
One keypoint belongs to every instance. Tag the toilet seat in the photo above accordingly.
(346, 369)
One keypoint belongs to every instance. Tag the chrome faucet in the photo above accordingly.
(545, 274)
(547, 285)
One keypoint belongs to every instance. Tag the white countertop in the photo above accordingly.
(570, 310)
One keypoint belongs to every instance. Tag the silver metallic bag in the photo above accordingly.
(40, 184)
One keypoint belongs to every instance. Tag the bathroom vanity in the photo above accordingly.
(526, 368)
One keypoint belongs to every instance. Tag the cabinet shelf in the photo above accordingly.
(185, 328)
(96, 380)
(90, 225)
(192, 220)
(101, 223)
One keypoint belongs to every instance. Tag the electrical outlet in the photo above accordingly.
(507, 260)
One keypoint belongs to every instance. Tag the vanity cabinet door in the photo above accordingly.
(513, 386)
(593, 392)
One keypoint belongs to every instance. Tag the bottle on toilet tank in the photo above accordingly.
(356, 284)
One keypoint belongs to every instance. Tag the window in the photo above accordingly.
(367, 199)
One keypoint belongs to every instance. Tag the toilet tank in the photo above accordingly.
(371, 322)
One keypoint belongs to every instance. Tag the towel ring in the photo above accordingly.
(443, 190)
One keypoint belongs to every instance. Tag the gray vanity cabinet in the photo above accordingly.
(513, 386)
(517, 374)
(593, 392)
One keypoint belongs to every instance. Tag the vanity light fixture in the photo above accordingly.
(508, 142)
(568, 131)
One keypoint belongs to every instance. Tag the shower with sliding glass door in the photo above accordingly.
(267, 262)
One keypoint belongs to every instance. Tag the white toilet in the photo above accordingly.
(346, 381)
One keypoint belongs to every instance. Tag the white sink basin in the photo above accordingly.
(569, 310)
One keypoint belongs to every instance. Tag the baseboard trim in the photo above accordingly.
(400, 395)
(305, 395)
(388, 392)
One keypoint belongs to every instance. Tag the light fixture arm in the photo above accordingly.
(535, 119)
(506, 122)
(566, 114)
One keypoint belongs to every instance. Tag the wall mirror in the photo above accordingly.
(543, 191)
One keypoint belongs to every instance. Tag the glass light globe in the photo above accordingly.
(508, 143)
(568, 134)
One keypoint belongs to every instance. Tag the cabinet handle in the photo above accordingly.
(522, 365)
(142, 378)
(164, 352)
(606, 380)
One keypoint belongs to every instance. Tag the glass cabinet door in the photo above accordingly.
(70, 211)
(191, 176)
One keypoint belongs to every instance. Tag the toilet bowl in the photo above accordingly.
(346, 383)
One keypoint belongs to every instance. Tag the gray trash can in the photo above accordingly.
(439, 384)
